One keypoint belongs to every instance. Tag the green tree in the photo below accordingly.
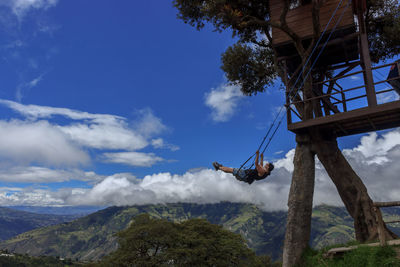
(252, 64)
(195, 242)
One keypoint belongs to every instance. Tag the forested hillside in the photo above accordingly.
(93, 236)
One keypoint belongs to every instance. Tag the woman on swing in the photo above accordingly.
(249, 175)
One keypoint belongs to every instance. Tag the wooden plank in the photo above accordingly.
(392, 222)
(381, 227)
(366, 62)
(387, 204)
(335, 251)
(300, 19)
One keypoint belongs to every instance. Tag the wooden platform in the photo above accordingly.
(299, 19)
(340, 251)
(357, 121)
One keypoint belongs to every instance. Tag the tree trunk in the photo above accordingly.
(351, 189)
(298, 226)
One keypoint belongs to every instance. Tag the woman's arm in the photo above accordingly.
(257, 154)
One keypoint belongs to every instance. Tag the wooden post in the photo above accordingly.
(365, 58)
(381, 227)
(398, 67)
(285, 81)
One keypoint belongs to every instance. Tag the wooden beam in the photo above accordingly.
(341, 66)
(332, 42)
(286, 82)
(381, 226)
(341, 128)
(326, 100)
(366, 61)
(372, 124)
(339, 251)
(392, 222)
(387, 204)
(358, 113)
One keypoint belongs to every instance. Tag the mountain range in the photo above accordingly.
(93, 236)
(14, 222)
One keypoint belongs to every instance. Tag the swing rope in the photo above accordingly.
(298, 78)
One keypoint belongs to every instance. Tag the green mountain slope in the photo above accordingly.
(14, 222)
(92, 237)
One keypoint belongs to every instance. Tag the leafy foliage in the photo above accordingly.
(383, 27)
(195, 242)
(236, 15)
(249, 67)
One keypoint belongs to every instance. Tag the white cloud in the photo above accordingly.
(19, 94)
(45, 112)
(148, 124)
(38, 142)
(159, 143)
(29, 197)
(35, 174)
(204, 186)
(105, 136)
(355, 78)
(387, 97)
(21, 7)
(98, 131)
(286, 162)
(373, 149)
(223, 101)
(132, 158)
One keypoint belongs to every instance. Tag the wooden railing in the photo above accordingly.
(334, 98)
(380, 221)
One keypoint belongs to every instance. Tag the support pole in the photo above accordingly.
(285, 81)
(366, 59)
(298, 226)
(381, 227)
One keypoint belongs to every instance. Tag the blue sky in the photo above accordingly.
(97, 95)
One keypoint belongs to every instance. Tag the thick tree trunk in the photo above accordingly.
(298, 226)
(350, 187)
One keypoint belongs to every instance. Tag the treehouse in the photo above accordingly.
(343, 45)
(351, 96)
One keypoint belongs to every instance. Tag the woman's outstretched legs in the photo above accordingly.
(218, 166)
(226, 169)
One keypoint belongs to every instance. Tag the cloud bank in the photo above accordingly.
(374, 159)
(38, 142)
(41, 139)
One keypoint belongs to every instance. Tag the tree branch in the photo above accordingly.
(283, 24)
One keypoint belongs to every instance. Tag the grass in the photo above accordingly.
(360, 257)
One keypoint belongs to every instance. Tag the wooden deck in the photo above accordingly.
(357, 121)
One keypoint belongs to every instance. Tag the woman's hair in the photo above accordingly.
(271, 167)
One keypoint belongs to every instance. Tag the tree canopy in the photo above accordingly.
(195, 242)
